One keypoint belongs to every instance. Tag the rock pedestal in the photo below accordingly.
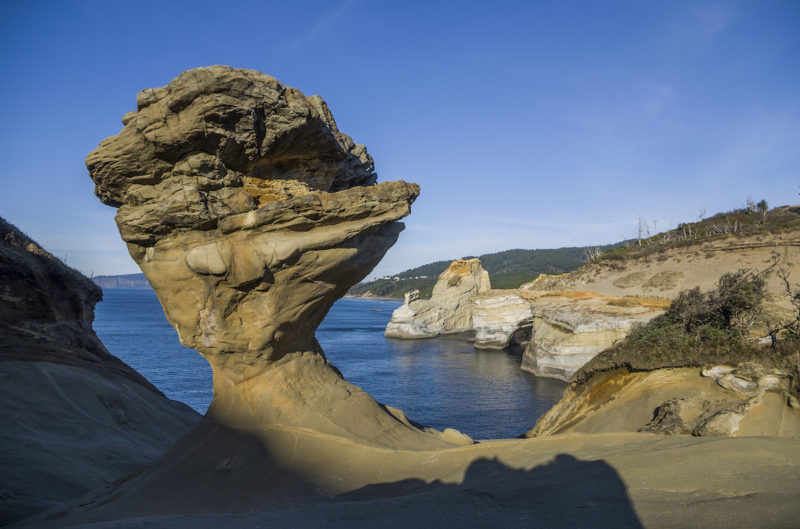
(250, 214)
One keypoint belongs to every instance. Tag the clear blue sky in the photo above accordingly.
(528, 124)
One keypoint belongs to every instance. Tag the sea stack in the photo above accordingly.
(449, 311)
(250, 214)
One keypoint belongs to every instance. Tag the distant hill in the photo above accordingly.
(129, 281)
(507, 269)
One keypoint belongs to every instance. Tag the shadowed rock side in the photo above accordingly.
(449, 310)
(74, 417)
(250, 214)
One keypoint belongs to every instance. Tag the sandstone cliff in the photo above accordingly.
(501, 318)
(560, 331)
(74, 417)
(571, 328)
(449, 310)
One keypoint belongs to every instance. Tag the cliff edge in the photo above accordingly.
(74, 416)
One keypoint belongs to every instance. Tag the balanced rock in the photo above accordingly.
(448, 311)
(74, 416)
(250, 214)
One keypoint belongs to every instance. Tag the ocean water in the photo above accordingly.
(442, 382)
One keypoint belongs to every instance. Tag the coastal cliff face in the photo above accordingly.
(250, 214)
(560, 331)
(449, 310)
(74, 416)
(571, 328)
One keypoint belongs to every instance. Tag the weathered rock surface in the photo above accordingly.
(719, 401)
(449, 310)
(250, 214)
(73, 416)
(571, 328)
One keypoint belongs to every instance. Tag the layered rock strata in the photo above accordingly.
(74, 416)
(720, 401)
(250, 214)
(449, 310)
(571, 328)
(560, 331)
(497, 316)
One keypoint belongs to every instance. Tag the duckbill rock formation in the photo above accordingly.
(449, 310)
(250, 214)
(73, 416)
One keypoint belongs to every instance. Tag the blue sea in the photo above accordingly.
(442, 382)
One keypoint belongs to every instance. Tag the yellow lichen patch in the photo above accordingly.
(608, 384)
(462, 266)
(265, 191)
(630, 301)
(577, 295)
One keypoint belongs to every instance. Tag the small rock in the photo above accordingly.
(716, 371)
(452, 435)
(736, 383)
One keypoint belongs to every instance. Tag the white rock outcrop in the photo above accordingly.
(497, 315)
(449, 310)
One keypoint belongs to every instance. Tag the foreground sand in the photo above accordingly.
(576, 480)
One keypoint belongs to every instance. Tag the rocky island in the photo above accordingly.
(250, 214)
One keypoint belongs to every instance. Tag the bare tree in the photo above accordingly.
(701, 213)
(640, 229)
(592, 253)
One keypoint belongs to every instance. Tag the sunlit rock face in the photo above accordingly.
(448, 311)
(250, 214)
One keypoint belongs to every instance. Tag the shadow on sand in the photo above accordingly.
(219, 477)
(566, 492)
